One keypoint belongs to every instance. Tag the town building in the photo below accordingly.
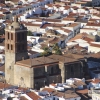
(38, 72)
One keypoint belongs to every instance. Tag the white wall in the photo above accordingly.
(88, 31)
(93, 49)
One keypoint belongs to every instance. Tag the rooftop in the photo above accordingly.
(40, 61)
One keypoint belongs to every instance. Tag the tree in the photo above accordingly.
(46, 52)
(29, 33)
(56, 49)
(58, 52)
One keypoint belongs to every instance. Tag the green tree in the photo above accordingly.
(56, 49)
(46, 52)
(29, 33)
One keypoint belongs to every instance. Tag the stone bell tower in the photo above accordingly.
(15, 47)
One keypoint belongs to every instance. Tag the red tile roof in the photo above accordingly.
(93, 80)
(50, 90)
(95, 45)
(85, 91)
(33, 96)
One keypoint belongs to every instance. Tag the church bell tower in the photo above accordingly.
(15, 47)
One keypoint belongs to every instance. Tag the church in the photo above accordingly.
(38, 72)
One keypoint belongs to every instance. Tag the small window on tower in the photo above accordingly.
(11, 47)
(11, 36)
(8, 35)
(8, 46)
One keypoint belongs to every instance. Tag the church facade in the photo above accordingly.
(37, 72)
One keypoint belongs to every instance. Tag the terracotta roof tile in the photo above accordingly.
(36, 62)
(63, 58)
(23, 98)
(2, 68)
(67, 94)
(85, 91)
(93, 24)
(33, 96)
(4, 85)
(83, 36)
(94, 45)
(69, 19)
(50, 90)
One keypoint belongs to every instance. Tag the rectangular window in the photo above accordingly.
(11, 36)
(8, 35)
(8, 46)
(11, 47)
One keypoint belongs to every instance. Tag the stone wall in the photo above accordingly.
(9, 67)
(62, 68)
(39, 76)
(23, 76)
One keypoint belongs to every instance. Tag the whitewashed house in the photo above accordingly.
(94, 47)
(75, 27)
